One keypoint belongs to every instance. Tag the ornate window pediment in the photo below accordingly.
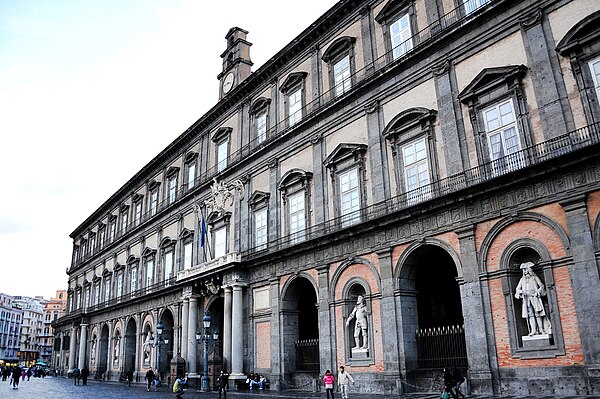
(215, 217)
(345, 151)
(391, 9)
(137, 197)
(153, 184)
(132, 260)
(119, 266)
(585, 33)
(221, 134)
(292, 80)
(409, 119)
(259, 104)
(191, 157)
(338, 47)
(95, 279)
(490, 79)
(172, 171)
(186, 234)
(167, 242)
(148, 252)
(106, 273)
(258, 198)
(294, 176)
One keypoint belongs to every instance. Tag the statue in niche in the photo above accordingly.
(361, 327)
(147, 347)
(117, 351)
(530, 289)
(93, 353)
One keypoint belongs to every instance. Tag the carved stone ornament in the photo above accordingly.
(221, 194)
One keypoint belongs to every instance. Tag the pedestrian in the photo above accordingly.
(85, 373)
(344, 379)
(178, 387)
(223, 381)
(458, 379)
(328, 380)
(150, 378)
(16, 375)
(129, 377)
(448, 383)
(29, 372)
(76, 376)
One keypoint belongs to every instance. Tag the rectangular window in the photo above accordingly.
(149, 273)
(472, 5)
(220, 236)
(119, 285)
(187, 255)
(261, 127)
(260, 229)
(97, 294)
(101, 239)
(123, 223)
(133, 281)
(416, 170)
(295, 106)
(92, 244)
(88, 297)
(191, 176)
(349, 197)
(138, 213)
(222, 156)
(341, 75)
(595, 69)
(168, 266)
(297, 216)
(503, 137)
(107, 289)
(78, 299)
(400, 35)
(83, 250)
(153, 202)
(172, 190)
(112, 230)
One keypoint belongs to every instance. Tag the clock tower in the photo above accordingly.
(236, 61)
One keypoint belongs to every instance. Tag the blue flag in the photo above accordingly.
(202, 232)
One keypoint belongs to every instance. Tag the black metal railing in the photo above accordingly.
(307, 354)
(440, 347)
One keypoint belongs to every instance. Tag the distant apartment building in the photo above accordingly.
(10, 330)
(53, 310)
(31, 328)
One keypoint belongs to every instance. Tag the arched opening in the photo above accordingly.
(433, 329)
(215, 348)
(102, 353)
(165, 349)
(129, 350)
(300, 330)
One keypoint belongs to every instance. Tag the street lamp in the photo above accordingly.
(206, 336)
(160, 341)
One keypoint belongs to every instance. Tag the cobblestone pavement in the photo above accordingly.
(62, 388)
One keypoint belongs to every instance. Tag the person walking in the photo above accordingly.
(85, 373)
(328, 380)
(76, 376)
(150, 378)
(458, 379)
(223, 381)
(129, 377)
(344, 379)
(16, 375)
(448, 382)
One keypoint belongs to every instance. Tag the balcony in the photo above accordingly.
(207, 267)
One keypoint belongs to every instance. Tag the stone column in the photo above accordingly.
(585, 280)
(185, 314)
(109, 350)
(327, 345)
(82, 346)
(191, 337)
(276, 370)
(227, 330)
(138, 343)
(480, 342)
(61, 364)
(237, 344)
(72, 343)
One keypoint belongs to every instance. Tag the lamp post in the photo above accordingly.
(160, 340)
(206, 336)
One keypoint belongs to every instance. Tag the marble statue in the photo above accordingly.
(361, 327)
(147, 347)
(530, 289)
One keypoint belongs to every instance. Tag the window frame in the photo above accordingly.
(339, 50)
(259, 110)
(390, 14)
(294, 87)
(293, 183)
(222, 142)
(191, 164)
(259, 202)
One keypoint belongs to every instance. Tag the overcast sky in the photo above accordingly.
(91, 91)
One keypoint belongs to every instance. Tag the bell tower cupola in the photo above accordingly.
(236, 61)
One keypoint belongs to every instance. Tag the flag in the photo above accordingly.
(202, 232)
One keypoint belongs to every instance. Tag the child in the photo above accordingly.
(328, 381)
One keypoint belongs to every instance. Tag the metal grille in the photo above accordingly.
(441, 347)
(307, 355)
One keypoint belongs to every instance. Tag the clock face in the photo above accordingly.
(228, 83)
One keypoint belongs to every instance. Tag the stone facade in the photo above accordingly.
(414, 153)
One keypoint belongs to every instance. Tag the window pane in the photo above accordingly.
(295, 106)
(222, 156)
(260, 229)
(349, 197)
(297, 216)
(168, 266)
(220, 242)
(416, 165)
(187, 255)
(341, 73)
(191, 175)
(133, 285)
(400, 35)
(149, 273)
(172, 190)
(261, 127)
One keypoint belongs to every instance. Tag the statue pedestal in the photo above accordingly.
(358, 353)
(536, 341)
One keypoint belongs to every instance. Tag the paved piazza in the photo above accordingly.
(62, 388)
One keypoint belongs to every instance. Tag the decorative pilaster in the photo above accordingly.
(227, 329)
(191, 337)
(237, 344)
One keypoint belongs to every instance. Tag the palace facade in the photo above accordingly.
(415, 153)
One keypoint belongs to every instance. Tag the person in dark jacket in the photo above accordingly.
(458, 379)
(150, 378)
(449, 382)
(16, 375)
(129, 377)
(85, 373)
(223, 381)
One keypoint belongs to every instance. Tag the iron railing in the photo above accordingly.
(307, 354)
(440, 347)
